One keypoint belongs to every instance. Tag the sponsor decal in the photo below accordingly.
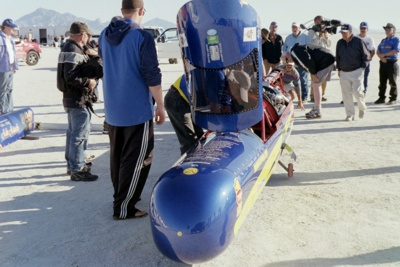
(213, 40)
(191, 171)
(182, 40)
(250, 34)
(239, 196)
(211, 32)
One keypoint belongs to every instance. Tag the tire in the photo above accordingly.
(290, 170)
(32, 58)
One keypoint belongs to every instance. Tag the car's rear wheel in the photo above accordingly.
(32, 58)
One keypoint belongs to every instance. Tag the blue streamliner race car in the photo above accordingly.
(199, 205)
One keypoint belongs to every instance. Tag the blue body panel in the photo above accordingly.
(197, 206)
(15, 125)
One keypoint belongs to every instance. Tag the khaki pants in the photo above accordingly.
(269, 67)
(351, 83)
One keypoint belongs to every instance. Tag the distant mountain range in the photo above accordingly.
(46, 17)
(160, 22)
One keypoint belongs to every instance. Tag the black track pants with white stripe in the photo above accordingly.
(131, 154)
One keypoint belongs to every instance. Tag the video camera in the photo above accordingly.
(327, 25)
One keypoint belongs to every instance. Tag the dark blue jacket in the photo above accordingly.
(352, 55)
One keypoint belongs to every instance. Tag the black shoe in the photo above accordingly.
(324, 99)
(86, 168)
(132, 215)
(105, 127)
(391, 102)
(341, 102)
(83, 176)
(380, 101)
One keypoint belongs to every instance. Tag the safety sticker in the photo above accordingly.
(250, 34)
(215, 53)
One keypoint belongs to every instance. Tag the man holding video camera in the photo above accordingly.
(319, 36)
(318, 33)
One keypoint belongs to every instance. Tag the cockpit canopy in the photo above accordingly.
(220, 44)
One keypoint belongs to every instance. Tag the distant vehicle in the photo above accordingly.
(154, 31)
(95, 38)
(27, 51)
(168, 45)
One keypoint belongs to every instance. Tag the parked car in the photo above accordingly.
(168, 45)
(27, 51)
(154, 31)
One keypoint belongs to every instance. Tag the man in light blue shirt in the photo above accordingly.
(8, 66)
(297, 37)
(387, 52)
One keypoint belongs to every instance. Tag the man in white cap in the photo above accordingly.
(8, 66)
(352, 57)
(371, 47)
(297, 37)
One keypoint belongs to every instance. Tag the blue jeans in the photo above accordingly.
(366, 73)
(304, 82)
(6, 92)
(77, 137)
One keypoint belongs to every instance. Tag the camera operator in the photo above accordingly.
(318, 33)
(319, 36)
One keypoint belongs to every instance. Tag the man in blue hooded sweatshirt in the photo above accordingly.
(131, 80)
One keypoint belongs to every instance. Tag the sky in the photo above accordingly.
(284, 12)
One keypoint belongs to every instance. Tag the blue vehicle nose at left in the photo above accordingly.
(191, 215)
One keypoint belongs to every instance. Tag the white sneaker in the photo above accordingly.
(314, 114)
(311, 111)
(349, 118)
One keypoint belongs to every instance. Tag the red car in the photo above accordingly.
(27, 51)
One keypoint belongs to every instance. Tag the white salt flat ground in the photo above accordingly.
(342, 207)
